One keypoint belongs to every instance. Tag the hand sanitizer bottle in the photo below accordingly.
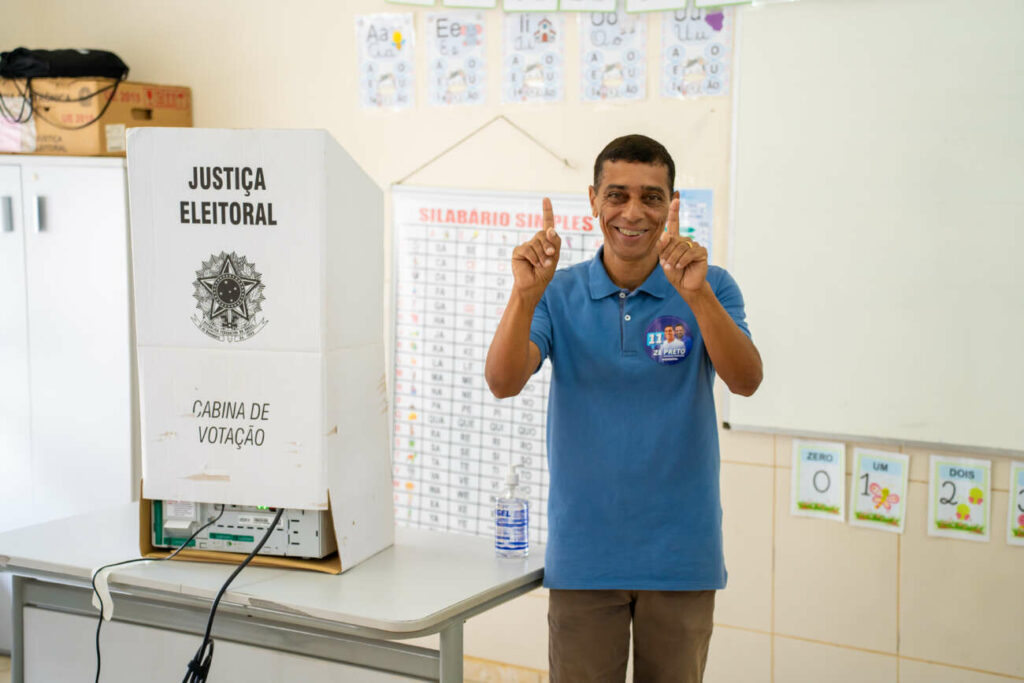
(512, 520)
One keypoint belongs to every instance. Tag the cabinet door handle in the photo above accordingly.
(8, 214)
(41, 214)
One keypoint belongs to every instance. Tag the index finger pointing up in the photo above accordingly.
(673, 217)
(549, 215)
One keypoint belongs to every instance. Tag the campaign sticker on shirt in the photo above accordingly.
(668, 340)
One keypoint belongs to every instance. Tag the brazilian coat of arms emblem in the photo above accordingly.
(229, 296)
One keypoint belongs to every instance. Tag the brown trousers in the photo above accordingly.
(589, 635)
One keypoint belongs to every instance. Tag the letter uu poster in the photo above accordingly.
(696, 47)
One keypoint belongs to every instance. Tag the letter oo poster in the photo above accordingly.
(613, 48)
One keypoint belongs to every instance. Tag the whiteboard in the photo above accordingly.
(877, 219)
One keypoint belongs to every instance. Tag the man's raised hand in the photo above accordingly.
(534, 261)
(684, 261)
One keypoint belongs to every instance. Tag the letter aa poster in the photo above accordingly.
(385, 43)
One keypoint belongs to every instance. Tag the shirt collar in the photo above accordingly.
(601, 285)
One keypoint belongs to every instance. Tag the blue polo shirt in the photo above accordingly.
(632, 436)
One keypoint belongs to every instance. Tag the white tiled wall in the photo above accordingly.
(813, 600)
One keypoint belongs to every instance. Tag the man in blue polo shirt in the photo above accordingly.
(634, 517)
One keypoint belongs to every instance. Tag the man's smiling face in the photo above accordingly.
(632, 205)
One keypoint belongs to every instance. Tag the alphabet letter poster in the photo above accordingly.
(696, 47)
(385, 43)
(534, 49)
(613, 56)
(456, 58)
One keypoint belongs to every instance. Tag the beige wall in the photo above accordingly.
(808, 600)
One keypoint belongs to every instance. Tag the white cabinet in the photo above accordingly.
(66, 348)
(65, 338)
(15, 471)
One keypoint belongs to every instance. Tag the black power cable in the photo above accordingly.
(25, 113)
(28, 101)
(99, 623)
(36, 109)
(199, 666)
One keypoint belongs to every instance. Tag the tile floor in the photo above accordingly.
(476, 671)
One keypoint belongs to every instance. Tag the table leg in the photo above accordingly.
(451, 654)
(17, 629)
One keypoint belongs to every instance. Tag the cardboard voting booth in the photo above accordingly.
(258, 259)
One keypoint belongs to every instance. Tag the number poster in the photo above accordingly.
(959, 498)
(819, 471)
(878, 490)
(453, 441)
(1015, 505)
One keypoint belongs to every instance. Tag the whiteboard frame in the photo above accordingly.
(881, 441)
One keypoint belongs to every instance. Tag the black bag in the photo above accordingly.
(22, 63)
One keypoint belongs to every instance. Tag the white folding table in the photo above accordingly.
(428, 582)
